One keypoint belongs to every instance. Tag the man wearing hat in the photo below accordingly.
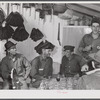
(42, 65)
(14, 60)
(90, 43)
(71, 63)
(91, 81)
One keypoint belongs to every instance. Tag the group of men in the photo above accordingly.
(72, 65)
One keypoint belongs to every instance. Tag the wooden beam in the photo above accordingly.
(91, 6)
(83, 10)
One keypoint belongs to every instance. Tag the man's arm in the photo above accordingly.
(82, 45)
(48, 71)
(27, 66)
(62, 67)
(34, 64)
(4, 69)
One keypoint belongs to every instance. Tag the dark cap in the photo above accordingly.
(95, 20)
(8, 45)
(44, 45)
(69, 47)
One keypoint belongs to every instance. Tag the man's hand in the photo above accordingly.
(87, 48)
(33, 80)
(25, 77)
(85, 68)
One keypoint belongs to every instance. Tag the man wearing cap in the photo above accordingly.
(42, 65)
(91, 81)
(14, 60)
(90, 43)
(71, 63)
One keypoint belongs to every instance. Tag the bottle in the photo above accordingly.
(58, 78)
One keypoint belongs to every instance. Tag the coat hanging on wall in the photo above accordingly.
(20, 34)
(2, 16)
(6, 32)
(14, 19)
(36, 34)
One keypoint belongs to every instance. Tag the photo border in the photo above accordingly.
(18, 94)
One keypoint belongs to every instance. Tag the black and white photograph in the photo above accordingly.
(50, 46)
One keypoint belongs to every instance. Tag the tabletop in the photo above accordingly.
(64, 83)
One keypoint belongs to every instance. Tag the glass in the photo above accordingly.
(58, 78)
(69, 83)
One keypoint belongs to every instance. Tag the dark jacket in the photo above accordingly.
(72, 66)
(21, 65)
(40, 63)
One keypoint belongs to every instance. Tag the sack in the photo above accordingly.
(38, 7)
(59, 8)
(46, 6)
(26, 5)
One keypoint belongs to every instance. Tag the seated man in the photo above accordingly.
(71, 63)
(42, 66)
(16, 61)
(91, 81)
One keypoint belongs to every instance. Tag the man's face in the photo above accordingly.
(46, 52)
(12, 50)
(68, 53)
(95, 28)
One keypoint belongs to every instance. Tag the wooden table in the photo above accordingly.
(52, 84)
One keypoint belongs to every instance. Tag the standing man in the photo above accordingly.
(16, 61)
(90, 43)
(42, 65)
(71, 63)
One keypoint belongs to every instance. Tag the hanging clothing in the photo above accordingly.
(36, 34)
(6, 32)
(14, 19)
(20, 34)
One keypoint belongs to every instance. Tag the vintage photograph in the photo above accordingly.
(49, 46)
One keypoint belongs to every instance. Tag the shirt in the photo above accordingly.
(86, 41)
(72, 66)
(19, 62)
(41, 67)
